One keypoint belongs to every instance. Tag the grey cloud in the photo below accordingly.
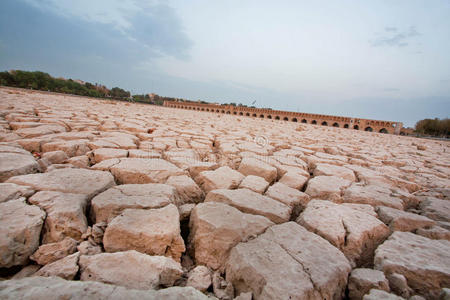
(391, 90)
(390, 29)
(394, 38)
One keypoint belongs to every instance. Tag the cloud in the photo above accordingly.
(391, 90)
(152, 24)
(390, 29)
(395, 38)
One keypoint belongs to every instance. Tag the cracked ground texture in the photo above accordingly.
(266, 209)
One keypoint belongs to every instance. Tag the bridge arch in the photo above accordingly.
(370, 129)
(383, 130)
(346, 126)
(254, 115)
(304, 121)
(241, 113)
(247, 114)
(285, 119)
(277, 117)
(269, 117)
(294, 119)
(356, 127)
(324, 123)
(261, 116)
(335, 124)
(313, 122)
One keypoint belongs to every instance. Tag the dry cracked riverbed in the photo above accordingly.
(113, 200)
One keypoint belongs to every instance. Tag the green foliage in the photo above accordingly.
(434, 127)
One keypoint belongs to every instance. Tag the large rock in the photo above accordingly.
(216, 228)
(253, 166)
(289, 196)
(49, 253)
(333, 170)
(361, 281)
(399, 220)
(250, 202)
(373, 195)
(110, 203)
(102, 154)
(425, 263)
(327, 187)
(21, 226)
(153, 231)
(254, 183)
(53, 288)
(65, 214)
(187, 189)
(139, 170)
(76, 181)
(436, 209)
(16, 163)
(376, 294)
(199, 278)
(11, 191)
(356, 232)
(40, 130)
(66, 267)
(130, 269)
(221, 178)
(288, 262)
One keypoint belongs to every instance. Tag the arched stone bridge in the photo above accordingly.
(315, 119)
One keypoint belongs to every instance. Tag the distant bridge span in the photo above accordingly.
(324, 120)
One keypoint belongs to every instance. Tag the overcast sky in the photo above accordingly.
(387, 60)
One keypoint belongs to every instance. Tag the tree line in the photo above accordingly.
(434, 127)
(44, 82)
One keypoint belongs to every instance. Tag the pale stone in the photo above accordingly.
(13, 164)
(101, 154)
(87, 248)
(11, 191)
(294, 180)
(139, 170)
(250, 202)
(55, 157)
(361, 281)
(254, 183)
(435, 233)
(425, 263)
(436, 209)
(399, 285)
(130, 269)
(288, 262)
(81, 161)
(187, 189)
(40, 130)
(399, 220)
(66, 268)
(373, 195)
(333, 170)
(58, 288)
(253, 166)
(355, 232)
(49, 253)
(221, 178)
(199, 278)
(71, 148)
(376, 294)
(215, 228)
(65, 214)
(77, 181)
(327, 187)
(21, 226)
(110, 203)
(289, 196)
(153, 231)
